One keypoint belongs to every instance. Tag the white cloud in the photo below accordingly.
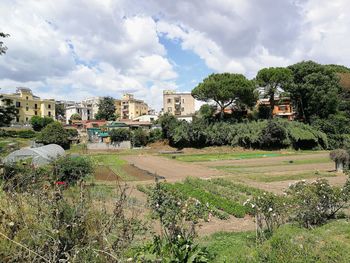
(78, 48)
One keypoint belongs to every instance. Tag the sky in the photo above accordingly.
(75, 49)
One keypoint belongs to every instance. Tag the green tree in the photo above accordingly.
(119, 135)
(168, 123)
(106, 110)
(38, 123)
(75, 117)
(139, 137)
(54, 133)
(8, 111)
(207, 112)
(226, 89)
(273, 79)
(3, 48)
(315, 90)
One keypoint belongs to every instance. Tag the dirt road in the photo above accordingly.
(172, 170)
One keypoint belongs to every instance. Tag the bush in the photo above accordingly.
(26, 134)
(316, 202)
(139, 138)
(54, 133)
(72, 132)
(38, 123)
(341, 158)
(155, 135)
(71, 169)
(274, 136)
(119, 135)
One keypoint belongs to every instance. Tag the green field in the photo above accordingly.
(16, 142)
(328, 243)
(207, 157)
(114, 163)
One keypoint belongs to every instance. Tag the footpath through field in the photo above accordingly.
(172, 170)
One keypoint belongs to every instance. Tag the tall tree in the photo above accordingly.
(60, 111)
(226, 89)
(106, 109)
(8, 111)
(3, 48)
(315, 90)
(272, 79)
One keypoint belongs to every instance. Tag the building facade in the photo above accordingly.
(93, 104)
(85, 112)
(178, 104)
(283, 107)
(29, 105)
(130, 107)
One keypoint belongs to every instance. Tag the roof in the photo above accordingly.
(40, 155)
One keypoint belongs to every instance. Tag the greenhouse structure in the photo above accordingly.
(38, 156)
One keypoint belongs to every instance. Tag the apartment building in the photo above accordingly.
(130, 107)
(85, 112)
(178, 104)
(92, 103)
(29, 105)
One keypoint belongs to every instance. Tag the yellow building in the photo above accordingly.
(129, 107)
(29, 105)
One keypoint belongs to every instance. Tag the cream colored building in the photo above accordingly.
(178, 104)
(129, 107)
(29, 105)
(93, 104)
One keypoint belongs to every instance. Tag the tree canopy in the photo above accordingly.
(272, 79)
(54, 133)
(315, 90)
(106, 109)
(8, 111)
(38, 123)
(75, 116)
(226, 89)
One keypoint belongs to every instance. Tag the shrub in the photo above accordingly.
(26, 134)
(274, 135)
(38, 123)
(317, 202)
(155, 135)
(139, 137)
(341, 158)
(72, 132)
(119, 135)
(71, 169)
(54, 133)
(270, 211)
(178, 217)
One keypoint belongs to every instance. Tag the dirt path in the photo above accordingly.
(171, 170)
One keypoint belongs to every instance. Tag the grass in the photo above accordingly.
(114, 163)
(208, 157)
(18, 142)
(286, 177)
(290, 243)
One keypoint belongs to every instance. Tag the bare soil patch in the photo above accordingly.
(171, 170)
(104, 173)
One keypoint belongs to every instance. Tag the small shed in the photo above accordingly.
(39, 156)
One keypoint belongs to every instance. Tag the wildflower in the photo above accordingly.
(11, 224)
(178, 236)
(157, 205)
(253, 205)
(270, 209)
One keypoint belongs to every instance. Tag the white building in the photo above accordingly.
(146, 118)
(92, 103)
(84, 112)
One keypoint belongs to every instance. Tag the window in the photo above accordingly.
(49, 113)
(49, 106)
(88, 112)
(169, 109)
(182, 109)
(183, 100)
(169, 101)
(26, 118)
(18, 104)
(35, 106)
(27, 108)
(27, 98)
(35, 112)
(17, 119)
